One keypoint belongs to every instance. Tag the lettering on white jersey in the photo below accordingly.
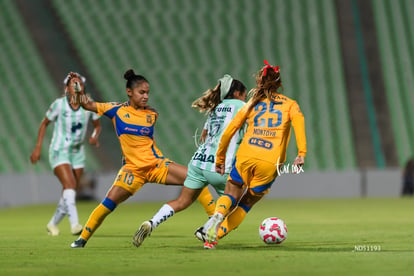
(224, 109)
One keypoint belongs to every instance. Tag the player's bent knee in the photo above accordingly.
(253, 196)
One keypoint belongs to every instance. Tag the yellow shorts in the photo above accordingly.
(132, 179)
(257, 174)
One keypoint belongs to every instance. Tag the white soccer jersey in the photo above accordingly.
(217, 121)
(70, 125)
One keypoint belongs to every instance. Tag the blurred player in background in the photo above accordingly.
(269, 115)
(143, 162)
(408, 178)
(66, 150)
(221, 104)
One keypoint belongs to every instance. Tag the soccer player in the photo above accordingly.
(66, 150)
(270, 116)
(221, 104)
(143, 162)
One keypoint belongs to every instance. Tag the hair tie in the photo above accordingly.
(276, 69)
(225, 84)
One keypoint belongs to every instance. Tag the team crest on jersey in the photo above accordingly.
(149, 119)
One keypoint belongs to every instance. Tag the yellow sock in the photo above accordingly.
(231, 222)
(224, 204)
(207, 200)
(95, 219)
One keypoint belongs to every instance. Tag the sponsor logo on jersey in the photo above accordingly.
(260, 143)
(131, 129)
(144, 131)
(204, 157)
(224, 109)
(77, 126)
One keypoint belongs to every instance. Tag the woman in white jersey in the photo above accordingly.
(66, 150)
(221, 105)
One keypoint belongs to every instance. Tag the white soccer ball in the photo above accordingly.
(273, 230)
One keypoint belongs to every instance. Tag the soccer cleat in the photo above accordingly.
(52, 230)
(144, 231)
(79, 243)
(214, 225)
(200, 234)
(77, 229)
(208, 245)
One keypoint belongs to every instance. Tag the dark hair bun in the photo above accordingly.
(129, 74)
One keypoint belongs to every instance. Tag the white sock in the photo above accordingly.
(69, 197)
(59, 213)
(162, 215)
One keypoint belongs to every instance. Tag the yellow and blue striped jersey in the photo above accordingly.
(135, 131)
(268, 130)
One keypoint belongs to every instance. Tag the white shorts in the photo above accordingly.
(198, 178)
(75, 157)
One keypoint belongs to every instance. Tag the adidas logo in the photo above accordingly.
(126, 115)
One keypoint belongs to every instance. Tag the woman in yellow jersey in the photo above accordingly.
(221, 104)
(270, 116)
(134, 123)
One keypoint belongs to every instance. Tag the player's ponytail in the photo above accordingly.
(209, 100)
(213, 97)
(268, 82)
(133, 79)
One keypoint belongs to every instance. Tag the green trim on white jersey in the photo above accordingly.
(70, 125)
(205, 156)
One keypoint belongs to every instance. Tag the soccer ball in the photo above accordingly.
(273, 230)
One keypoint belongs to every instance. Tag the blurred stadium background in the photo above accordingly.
(348, 63)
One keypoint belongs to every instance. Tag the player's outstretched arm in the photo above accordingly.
(84, 100)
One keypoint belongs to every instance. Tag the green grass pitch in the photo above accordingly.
(326, 237)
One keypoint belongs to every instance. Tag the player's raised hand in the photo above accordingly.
(77, 87)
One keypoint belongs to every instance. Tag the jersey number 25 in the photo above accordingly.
(274, 118)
